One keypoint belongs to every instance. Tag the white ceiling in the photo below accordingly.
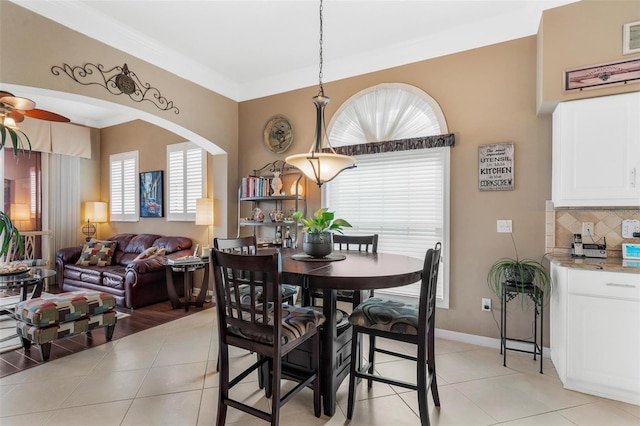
(248, 49)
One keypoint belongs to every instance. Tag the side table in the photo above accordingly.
(510, 292)
(187, 269)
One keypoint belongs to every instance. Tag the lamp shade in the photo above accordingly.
(204, 211)
(95, 211)
(321, 166)
(20, 212)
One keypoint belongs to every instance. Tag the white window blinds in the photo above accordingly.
(186, 181)
(402, 196)
(124, 187)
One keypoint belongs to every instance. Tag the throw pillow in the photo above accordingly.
(150, 252)
(97, 252)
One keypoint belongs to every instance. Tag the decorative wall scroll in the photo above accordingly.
(117, 80)
(495, 167)
(593, 76)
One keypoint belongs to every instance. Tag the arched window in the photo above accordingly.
(400, 188)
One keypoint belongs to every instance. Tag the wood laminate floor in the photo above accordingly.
(13, 361)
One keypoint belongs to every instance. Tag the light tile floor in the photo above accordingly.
(166, 376)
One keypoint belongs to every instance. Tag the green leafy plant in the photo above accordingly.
(321, 221)
(520, 273)
(16, 137)
(8, 231)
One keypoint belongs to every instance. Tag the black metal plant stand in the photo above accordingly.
(510, 292)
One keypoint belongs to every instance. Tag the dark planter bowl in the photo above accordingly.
(317, 245)
(520, 276)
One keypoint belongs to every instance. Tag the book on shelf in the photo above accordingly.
(255, 186)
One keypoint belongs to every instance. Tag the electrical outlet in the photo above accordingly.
(486, 304)
(504, 226)
(587, 232)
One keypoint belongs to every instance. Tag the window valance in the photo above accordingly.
(435, 141)
(57, 138)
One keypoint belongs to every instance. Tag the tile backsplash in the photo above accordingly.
(561, 224)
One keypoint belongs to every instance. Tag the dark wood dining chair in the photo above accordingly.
(404, 322)
(247, 245)
(251, 326)
(362, 243)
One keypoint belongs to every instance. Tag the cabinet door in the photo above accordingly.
(596, 152)
(603, 350)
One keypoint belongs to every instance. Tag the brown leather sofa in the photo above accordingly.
(133, 283)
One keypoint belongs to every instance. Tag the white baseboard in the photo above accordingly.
(488, 342)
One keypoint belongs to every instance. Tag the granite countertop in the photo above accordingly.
(611, 264)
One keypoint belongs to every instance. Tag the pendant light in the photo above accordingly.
(318, 165)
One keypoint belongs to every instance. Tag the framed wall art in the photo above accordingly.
(495, 167)
(595, 76)
(151, 194)
(631, 38)
(277, 134)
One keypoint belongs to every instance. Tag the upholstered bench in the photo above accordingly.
(44, 319)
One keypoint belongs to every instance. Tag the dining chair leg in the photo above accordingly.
(372, 358)
(275, 393)
(352, 374)
(422, 381)
(434, 385)
(315, 362)
(223, 394)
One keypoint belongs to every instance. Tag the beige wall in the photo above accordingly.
(581, 34)
(488, 96)
(31, 45)
(150, 141)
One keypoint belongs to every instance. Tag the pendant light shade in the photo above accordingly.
(318, 165)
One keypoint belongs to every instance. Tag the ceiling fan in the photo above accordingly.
(16, 108)
(13, 110)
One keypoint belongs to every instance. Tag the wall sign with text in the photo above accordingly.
(495, 167)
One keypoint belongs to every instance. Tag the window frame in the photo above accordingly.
(188, 214)
(122, 216)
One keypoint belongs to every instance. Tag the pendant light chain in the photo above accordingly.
(321, 58)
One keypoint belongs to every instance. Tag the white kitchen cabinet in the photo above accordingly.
(595, 332)
(596, 152)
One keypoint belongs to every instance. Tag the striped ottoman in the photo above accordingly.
(44, 319)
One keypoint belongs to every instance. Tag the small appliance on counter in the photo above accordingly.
(579, 249)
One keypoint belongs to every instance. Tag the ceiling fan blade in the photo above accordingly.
(41, 114)
(18, 103)
(17, 116)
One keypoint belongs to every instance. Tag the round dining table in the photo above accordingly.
(357, 271)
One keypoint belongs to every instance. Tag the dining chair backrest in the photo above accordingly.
(367, 243)
(243, 245)
(262, 325)
(428, 290)
(256, 275)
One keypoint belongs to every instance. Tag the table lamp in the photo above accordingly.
(94, 212)
(204, 216)
(20, 213)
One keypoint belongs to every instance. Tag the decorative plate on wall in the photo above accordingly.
(278, 134)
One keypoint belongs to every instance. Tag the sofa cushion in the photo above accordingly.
(150, 252)
(97, 252)
(88, 274)
(140, 243)
(173, 244)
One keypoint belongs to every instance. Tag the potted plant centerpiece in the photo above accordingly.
(519, 273)
(318, 231)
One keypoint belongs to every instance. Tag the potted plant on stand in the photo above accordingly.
(318, 231)
(519, 273)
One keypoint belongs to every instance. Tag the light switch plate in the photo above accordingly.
(629, 227)
(504, 226)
